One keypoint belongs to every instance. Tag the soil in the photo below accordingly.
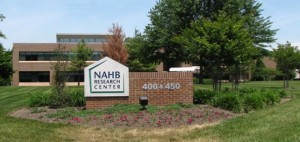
(200, 114)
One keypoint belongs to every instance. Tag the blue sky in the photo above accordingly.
(40, 20)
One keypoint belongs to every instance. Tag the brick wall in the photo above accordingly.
(158, 96)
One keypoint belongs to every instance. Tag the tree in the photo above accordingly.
(5, 62)
(115, 47)
(218, 44)
(298, 62)
(2, 17)
(134, 47)
(5, 66)
(59, 78)
(258, 74)
(286, 58)
(78, 61)
(170, 17)
(262, 73)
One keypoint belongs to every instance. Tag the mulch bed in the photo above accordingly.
(200, 114)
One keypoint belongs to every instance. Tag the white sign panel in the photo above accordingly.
(106, 77)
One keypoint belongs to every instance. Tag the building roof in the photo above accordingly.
(269, 62)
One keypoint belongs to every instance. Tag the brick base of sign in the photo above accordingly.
(161, 88)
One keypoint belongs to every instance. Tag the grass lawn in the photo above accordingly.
(280, 122)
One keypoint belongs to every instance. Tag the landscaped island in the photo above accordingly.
(273, 123)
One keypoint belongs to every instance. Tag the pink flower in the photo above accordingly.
(106, 117)
(136, 118)
(141, 114)
(190, 120)
(217, 113)
(76, 119)
(124, 118)
(209, 119)
(158, 122)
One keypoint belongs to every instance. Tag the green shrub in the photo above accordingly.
(59, 100)
(227, 90)
(184, 105)
(271, 96)
(195, 80)
(37, 99)
(282, 94)
(207, 81)
(228, 101)
(76, 97)
(253, 101)
(71, 97)
(203, 96)
(247, 90)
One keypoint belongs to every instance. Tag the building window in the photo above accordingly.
(28, 56)
(91, 40)
(50, 56)
(96, 56)
(74, 77)
(34, 76)
(73, 40)
(36, 56)
(98, 40)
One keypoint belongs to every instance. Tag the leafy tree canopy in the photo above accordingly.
(5, 61)
(5, 66)
(287, 59)
(169, 18)
(81, 54)
(2, 17)
(134, 47)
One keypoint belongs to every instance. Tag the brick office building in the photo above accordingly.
(32, 61)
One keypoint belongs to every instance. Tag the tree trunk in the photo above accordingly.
(237, 75)
(78, 78)
(201, 70)
(220, 78)
(285, 79)
(216, 74)
(201, 74)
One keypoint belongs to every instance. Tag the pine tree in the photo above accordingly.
(78, 61)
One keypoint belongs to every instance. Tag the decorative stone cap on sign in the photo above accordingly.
(106, 78)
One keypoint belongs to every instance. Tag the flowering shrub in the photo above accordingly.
(162, 118)
(75, 120)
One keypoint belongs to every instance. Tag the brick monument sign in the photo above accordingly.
(108, 82)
